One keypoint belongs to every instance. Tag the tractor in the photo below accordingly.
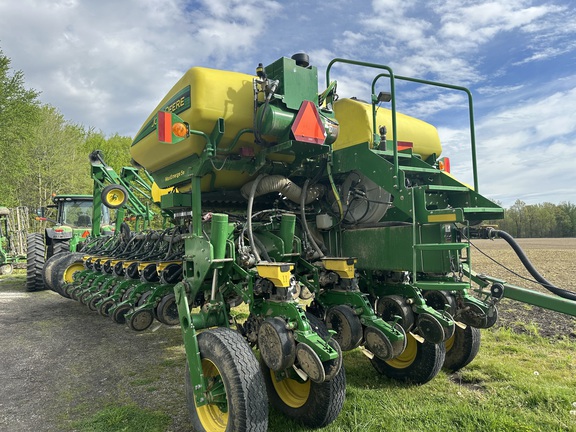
(13, 226)
(331, 223)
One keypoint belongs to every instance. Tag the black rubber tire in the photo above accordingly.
(114, 196)
(47, 271)
(345, 322)
(462, 348)
(59, 247)
(35, 262)
(104, 308)
(226, 353)
(418, 364)
(141, 320)
(318, 408)
(167, 310)
(119, 314)
(93, 302)
(323, 402)
(63, 270)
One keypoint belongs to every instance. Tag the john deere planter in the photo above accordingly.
(334, 224)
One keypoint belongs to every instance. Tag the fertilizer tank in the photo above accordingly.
(203, 96)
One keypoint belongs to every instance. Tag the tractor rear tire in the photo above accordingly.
(462, 348)
(59, 247)
(418, 363)
(35, 262)
(314, 405)
(228, 362)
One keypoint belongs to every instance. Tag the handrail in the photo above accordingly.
(393, 100)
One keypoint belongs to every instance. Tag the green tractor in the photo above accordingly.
(11, 240)
(74, 222)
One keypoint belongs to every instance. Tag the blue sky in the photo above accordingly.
(106, 64)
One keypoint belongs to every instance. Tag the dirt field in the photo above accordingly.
(553, 258)
(61, 362)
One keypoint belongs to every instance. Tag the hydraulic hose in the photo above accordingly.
(303, 217)
(528, 265)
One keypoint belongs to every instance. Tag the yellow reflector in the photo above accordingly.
(450, 217)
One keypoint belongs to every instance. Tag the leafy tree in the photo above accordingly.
(19, 111)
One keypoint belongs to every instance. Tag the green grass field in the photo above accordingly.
(518, 382)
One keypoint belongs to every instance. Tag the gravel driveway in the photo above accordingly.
(60, 363)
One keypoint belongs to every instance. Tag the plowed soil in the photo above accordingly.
(553, 258)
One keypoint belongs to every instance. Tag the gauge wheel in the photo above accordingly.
(238, 400)
(167, 310)
(462, 348)
(313, 404)
(345, 322)
(114, 196)
(418, 363)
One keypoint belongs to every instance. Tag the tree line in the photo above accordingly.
(41, 153)
(539, 220)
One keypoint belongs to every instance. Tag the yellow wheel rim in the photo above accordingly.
(210, 415)
(69, 272)
(291, 392)
(408, 355)
(450, 342)
(115, 197)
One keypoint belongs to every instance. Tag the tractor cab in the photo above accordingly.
(73, 223)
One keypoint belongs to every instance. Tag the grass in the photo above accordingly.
(517, 383)
(124, 419)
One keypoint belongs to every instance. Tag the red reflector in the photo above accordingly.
(307, 126)
(59, 230)
(405, 145)
(444, 164)
(164, 126)
(85, 234)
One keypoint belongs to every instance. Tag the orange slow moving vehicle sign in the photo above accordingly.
(307, 126)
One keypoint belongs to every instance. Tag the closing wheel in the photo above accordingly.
(119, 314)
(331, 367)
(388, 307)
(313, 404)
(462, 348)
(114, 196)
(347, 325)
(430, 328)
(236, 390)
(167, 310)
(93, 302)
(473, 315)
(34, 262)
(276, 344)
(439, 300)
(141, 320)
(418, 364)
(378, 343)
(104, 308)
